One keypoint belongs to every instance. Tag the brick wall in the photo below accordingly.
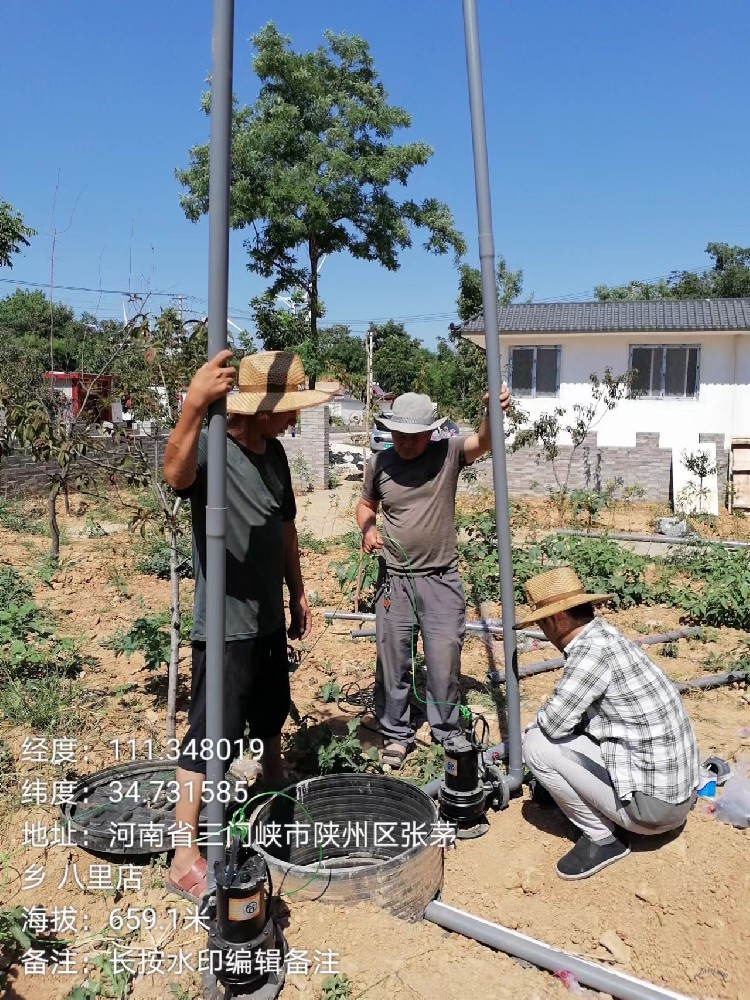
(20, 475)
(308, 452)
(646, 465)
(308, 455)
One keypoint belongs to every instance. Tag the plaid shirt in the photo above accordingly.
(613, 692)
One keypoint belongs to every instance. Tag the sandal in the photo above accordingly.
(193, 885)
(393, 755)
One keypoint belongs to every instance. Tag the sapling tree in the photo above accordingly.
(700, 465)
(545, 432)
(39, 421)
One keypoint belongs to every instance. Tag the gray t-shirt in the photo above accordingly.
(259, 500)
(418, 500)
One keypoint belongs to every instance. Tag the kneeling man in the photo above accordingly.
(613, 745)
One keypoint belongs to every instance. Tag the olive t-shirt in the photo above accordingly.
(418, 500)
(259, 500)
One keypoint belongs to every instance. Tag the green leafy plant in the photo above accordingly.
(355, 570)
(13, 518)
(155, 559)
(344, 754)
(149, 636)
(426, 764)
(330, 691)
(338, 987)
(15, 939)
(110, 984)
(309, 543)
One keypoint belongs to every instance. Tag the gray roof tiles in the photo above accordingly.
(619, 316)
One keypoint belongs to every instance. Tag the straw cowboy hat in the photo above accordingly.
(557, 590)
(273, 382)
(413, 413)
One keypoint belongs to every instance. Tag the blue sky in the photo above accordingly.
(618, 141)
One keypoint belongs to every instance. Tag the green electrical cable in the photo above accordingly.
(463, 710)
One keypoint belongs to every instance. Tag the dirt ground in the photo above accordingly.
(674, 913)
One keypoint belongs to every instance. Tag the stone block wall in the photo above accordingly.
(646, 465)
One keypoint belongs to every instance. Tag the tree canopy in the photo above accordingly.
(315, 168)
(13, 233)
(728, 278)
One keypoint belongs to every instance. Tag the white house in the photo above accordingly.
(693, 370)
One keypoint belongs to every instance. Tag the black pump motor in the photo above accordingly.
(243, 929)
(463, 795)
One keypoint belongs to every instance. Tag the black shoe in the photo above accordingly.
(588, 858)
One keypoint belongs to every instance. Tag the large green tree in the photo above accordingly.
(398, 360)
(728, 278)
(315, 170)
(13, 233)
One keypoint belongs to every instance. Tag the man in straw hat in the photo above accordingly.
(262, 554)
(419, 588)
(613, 745)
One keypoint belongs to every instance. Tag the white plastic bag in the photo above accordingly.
(733, 806)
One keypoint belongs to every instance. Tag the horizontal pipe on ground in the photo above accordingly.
(498, 676)
(624, 536)
(489, 626)
(712, 681)
(618, 984)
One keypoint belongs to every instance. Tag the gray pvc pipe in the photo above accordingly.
(474, 629)
(498, 676)
(494, 380)
(663, 539)
(618, 984)
(484, 625)
(711, 681)
(216, 505)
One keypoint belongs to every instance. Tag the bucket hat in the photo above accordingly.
(413, 413)
(273, 382)
(556, 590)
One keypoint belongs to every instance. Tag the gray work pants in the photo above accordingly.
(573, 772)
(433, 605)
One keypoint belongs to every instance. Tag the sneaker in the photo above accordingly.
(587, 858)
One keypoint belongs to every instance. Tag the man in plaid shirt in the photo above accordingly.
(613, 745)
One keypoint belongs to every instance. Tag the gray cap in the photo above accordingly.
(413, 413)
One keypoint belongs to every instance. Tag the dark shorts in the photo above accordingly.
(256, 694)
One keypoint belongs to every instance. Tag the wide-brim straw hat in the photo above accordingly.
(413, 413)
(556, 590)
(273, 382)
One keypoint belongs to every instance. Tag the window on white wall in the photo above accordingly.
(534, 371)
(666, 371)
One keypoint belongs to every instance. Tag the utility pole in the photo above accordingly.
(368, 398)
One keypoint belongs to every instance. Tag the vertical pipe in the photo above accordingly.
(492, 346)
(216, 507)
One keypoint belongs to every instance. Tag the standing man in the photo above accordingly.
(262, 555)
(613, 746)
(419, 589)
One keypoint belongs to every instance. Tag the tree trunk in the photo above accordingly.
(66, 499)
(54, 529)
(174, 630)
(312, 375)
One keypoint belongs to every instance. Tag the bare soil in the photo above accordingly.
(678, 907)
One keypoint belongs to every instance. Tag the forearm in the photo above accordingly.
(483, 434)
(366, 516)
(181, 452)
(292, 567)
